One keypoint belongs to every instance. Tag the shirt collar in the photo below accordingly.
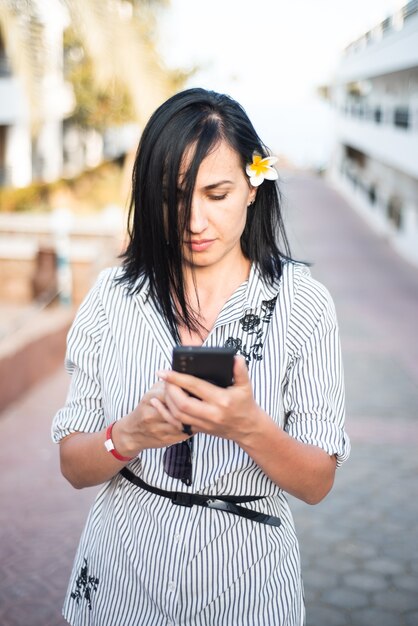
(248, 296)
(260, 288)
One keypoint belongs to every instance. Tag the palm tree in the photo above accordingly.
(117, 35)
(21, 34)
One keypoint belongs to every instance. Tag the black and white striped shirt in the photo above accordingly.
(141, 559)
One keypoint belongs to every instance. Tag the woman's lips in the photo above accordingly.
(199, 245)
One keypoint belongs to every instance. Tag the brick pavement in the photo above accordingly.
(360, 546)
(41, 516)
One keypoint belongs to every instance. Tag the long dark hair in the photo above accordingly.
(200, 119)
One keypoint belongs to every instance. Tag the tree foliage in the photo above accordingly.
(120, 74)
(96, 105)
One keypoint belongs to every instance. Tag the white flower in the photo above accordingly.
(260, 169)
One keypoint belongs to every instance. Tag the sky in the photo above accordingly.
(271, 55)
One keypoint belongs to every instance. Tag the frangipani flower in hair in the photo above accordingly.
(260, 169)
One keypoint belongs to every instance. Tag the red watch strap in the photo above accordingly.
(110, 446)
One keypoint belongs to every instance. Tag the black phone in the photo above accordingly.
(212, 364)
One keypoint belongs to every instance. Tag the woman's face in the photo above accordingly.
(218, 212)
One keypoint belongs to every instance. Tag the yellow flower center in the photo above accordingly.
(259, 165)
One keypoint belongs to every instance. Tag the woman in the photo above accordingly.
(203, 266)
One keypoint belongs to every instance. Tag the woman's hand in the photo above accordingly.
(84, 459)
(230, 413)
(145, 427)
(302, 470)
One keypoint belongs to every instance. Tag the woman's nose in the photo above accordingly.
(198, 219)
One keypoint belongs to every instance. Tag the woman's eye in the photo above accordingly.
(221, 197)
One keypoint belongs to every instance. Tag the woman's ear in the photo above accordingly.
(252, 196)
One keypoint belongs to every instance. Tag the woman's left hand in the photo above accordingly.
(305, 471)
(231, 412)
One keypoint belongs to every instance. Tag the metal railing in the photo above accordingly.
(387, 26)
(391, 208)
(399, 116)
(410, 9)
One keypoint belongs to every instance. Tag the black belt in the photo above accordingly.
(221, 503)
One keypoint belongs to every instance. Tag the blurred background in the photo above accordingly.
(332, 88)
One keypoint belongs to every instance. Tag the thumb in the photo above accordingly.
(240, 371)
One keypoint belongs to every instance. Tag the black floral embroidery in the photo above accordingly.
(85, 584)
(249, 322)
(252, 324)
(267, 308)
(234, 343)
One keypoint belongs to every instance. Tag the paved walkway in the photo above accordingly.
(360, 546)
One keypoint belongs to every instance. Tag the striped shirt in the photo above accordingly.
(145, 561)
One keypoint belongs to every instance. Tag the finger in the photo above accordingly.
(178, 403)
(186, 408)
(192, 385)
(165, 413)
(158, 387)
(156, 391)
(241, 376)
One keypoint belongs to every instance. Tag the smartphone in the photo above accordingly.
(212, 364)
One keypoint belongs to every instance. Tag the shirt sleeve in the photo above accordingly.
(314, 397)
(83, 410)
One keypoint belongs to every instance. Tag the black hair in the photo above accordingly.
(198, 119)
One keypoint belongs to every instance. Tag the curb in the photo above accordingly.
(29, 355)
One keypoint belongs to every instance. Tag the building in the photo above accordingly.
(31, 245)
(375, 97)
(28, 154)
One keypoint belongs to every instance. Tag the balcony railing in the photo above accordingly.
(400, 116)
(390, 207)
(409, 9)
(389, 25)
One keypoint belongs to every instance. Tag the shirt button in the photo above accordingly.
(177, 537)
(171, 586)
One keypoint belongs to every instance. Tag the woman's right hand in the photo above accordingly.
(144, 427)
(86, 462)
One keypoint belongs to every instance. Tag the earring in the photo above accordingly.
(251, 203)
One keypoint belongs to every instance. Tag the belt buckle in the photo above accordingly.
(183, 499)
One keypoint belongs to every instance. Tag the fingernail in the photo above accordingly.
(162, 374)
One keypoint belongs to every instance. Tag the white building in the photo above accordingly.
(375, 95)
(27, 155)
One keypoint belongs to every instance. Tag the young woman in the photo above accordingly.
(207, 264)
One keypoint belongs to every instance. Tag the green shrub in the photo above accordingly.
(93, 188)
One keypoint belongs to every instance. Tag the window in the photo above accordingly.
(372, 194)
(359, 158)
(395, 211)
(401, 117)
